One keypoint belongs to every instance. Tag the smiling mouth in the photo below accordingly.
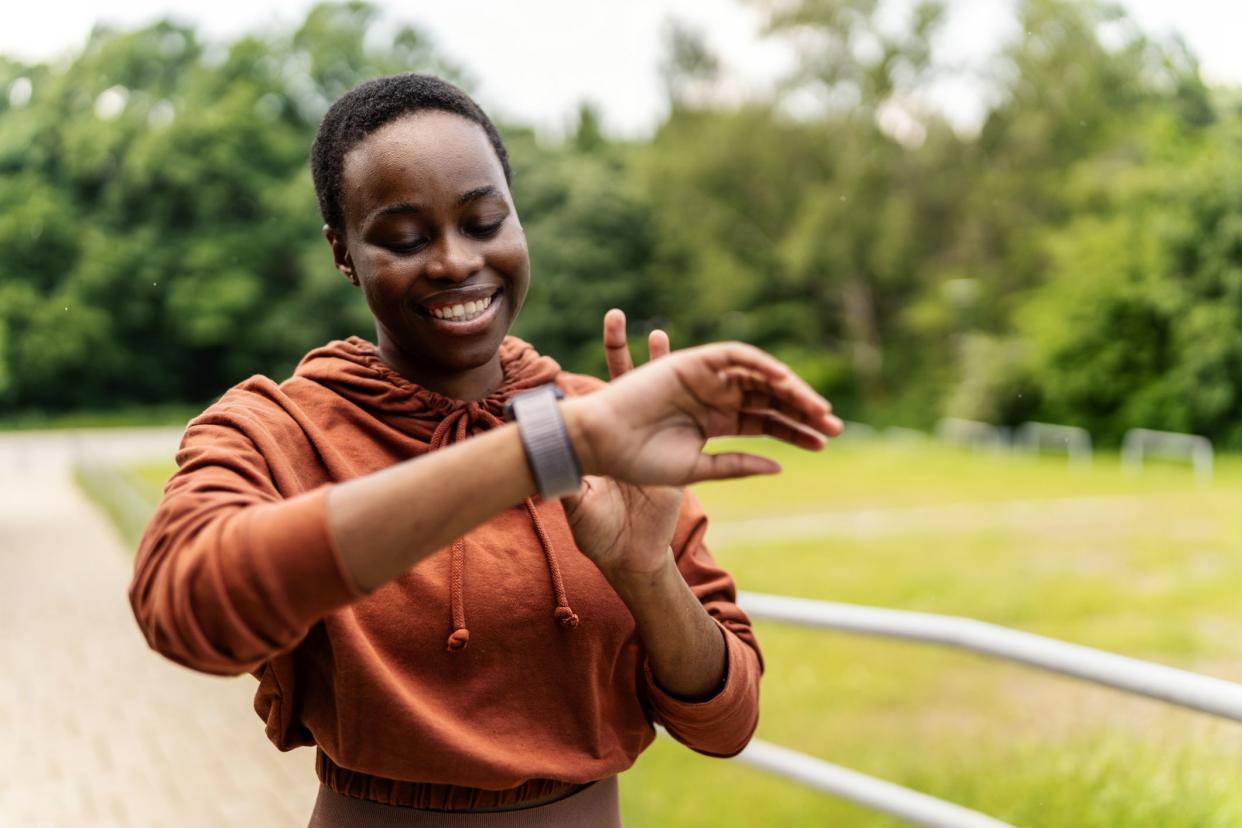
(464, 317)
(460, 310)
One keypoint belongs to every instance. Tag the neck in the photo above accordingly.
(468, 384)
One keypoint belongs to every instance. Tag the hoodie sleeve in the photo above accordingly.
(230, 572)
(723, 724)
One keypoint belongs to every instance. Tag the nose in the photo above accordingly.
(454, 258)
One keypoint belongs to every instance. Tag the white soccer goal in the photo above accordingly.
(1033, 437)
(1140, 443)
(972, 433)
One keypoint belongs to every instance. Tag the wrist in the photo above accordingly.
(580, 423)
(636, 584)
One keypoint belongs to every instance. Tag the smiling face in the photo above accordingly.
(433, 240)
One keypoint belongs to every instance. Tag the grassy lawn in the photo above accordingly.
(1150, 566)
(133, 416)
(127, 494)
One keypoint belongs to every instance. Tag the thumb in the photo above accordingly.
(571, 502)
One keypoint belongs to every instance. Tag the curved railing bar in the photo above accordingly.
(1169, 684)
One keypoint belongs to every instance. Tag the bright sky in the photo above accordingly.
(536, 59)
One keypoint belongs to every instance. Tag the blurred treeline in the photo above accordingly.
(1078, 260)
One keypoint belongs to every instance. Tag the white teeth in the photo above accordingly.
(461, 312)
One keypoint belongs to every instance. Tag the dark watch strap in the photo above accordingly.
(553, 462)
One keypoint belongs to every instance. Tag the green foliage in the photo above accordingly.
(591, 237)
(1137, 323)
(1077, 260)
(159, 228)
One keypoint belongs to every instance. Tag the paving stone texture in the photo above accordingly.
(96, 729)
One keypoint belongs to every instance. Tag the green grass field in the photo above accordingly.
(127, 417)
(1149, 566)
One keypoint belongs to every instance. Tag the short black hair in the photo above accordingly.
(369, 106)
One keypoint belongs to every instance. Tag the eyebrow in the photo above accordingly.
(410, 207)
(477, 193)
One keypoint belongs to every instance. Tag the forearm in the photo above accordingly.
(385, 522)
(683, 643)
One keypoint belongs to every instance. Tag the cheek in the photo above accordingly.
(386, 286)
(510, 256)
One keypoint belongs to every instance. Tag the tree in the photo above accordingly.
(160, 229)
(1137, 326)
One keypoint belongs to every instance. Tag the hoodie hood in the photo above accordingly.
(353, 369)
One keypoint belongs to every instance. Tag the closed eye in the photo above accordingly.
(412, 246)
(484, 231)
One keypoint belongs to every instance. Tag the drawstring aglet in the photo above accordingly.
(458, 640)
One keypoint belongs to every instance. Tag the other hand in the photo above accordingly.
(625, 529)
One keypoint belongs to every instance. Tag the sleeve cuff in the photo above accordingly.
(722, 724)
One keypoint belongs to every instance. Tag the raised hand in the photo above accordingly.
(649, 426)
(624, 528)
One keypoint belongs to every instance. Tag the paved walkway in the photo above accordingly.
(95, 728)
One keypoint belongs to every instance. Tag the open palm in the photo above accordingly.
(622, 527)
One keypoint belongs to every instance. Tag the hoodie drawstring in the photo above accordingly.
(460, 635)
(563, 613)
(458, 423)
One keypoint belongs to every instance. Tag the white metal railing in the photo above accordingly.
(859, 788)
(912, 806)
(1169, 684)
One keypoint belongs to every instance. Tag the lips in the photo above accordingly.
(460, 311)
(448, 299)
(467, 324)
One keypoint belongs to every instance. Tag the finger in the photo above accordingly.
(721, 355)
(732, 464)
(657, 344)
(779, 427)
(791, 396)
(828, 424)
(763, 400)
(572, 501)
(787, 385)
(616, 346)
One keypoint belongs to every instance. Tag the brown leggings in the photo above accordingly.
(595, 806)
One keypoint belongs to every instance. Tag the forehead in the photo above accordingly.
(425, 158)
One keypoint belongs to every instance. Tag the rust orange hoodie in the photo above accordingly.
(499, 670)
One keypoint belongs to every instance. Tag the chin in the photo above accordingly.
(468, 356)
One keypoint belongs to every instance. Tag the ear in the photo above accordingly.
(340, 255)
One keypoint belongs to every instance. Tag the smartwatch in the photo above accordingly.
(553, 462)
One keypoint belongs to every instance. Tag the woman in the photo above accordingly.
(316, 531)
